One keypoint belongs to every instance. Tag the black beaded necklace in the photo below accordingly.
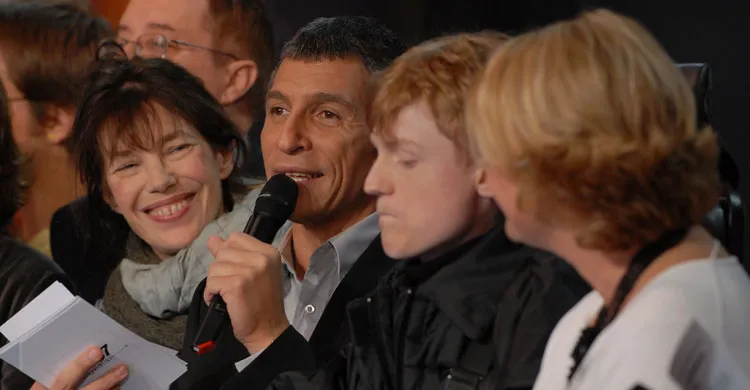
(607, 314)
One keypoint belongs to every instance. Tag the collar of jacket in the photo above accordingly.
(469, 289)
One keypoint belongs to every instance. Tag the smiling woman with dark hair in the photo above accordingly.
(24, 272)
(157, 156)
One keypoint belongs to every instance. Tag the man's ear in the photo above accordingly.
(58, 123)
(241, 76)
(226, 163)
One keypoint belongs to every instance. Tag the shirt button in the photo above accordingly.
(309, 309)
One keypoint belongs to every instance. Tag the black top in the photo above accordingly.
(417, 271)
(88, 256)
(410, 333)
(24, 274)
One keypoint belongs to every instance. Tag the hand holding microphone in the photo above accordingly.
(247, 276)
(245, 279)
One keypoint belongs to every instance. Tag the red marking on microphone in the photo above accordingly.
(204, 348)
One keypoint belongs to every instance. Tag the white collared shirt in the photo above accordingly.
(304, 300)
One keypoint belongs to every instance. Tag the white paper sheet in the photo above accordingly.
(51, 333)
(53, 299)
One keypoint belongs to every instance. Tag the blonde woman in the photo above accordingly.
(586, 136)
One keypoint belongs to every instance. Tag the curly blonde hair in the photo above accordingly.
(440, 72)
(598, 127)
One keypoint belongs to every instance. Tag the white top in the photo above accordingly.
(689, 328)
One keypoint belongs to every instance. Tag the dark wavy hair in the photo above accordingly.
(121, 97)
(11, 185)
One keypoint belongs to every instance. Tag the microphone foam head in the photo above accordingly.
(278, 198)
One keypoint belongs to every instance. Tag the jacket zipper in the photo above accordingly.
(402, 339)
(379, 345)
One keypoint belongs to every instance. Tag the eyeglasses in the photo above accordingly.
(157, 45)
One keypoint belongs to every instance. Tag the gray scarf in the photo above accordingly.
(166, 289)
(118, 304)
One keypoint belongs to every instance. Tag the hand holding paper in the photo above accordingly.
(50, 334)
(77, 370)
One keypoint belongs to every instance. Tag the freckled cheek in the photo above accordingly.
(194, 170)
(204, 170)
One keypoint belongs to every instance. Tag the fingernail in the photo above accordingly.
(95, 354)
(122, 372)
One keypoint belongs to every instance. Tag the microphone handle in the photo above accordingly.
(263, 226)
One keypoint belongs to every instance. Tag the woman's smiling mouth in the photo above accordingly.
(170, 209)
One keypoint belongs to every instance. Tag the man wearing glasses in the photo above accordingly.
(227, 44)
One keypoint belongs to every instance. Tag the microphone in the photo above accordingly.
(274, 205)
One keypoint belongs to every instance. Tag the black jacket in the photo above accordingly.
(290, 351)
(24, 274)
(88, 256)
(420, 325)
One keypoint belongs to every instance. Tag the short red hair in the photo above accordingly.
(440, 72)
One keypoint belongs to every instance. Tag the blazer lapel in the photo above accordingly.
(361, 279)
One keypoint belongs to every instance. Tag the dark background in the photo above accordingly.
(716, 32)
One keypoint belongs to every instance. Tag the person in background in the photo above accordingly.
(45, 50)
(24, 271)
(585, 133)
(226, 44)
